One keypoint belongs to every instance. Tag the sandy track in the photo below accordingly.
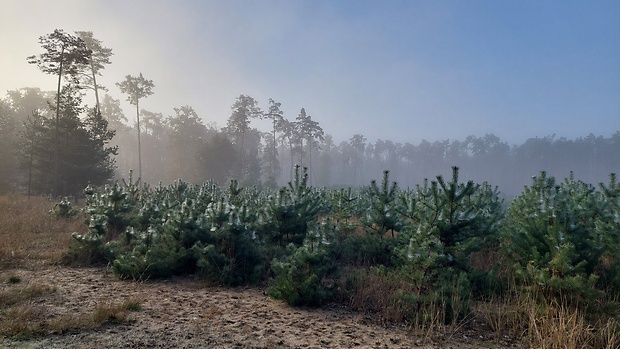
(183, 313)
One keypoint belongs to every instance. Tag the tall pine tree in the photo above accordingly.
(83, 154)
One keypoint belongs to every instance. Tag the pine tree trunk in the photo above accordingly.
(30, 166)
(273, 155)
(139, 145)
(310, 169)
(243, 171)
(55, 187)
(92, 69)
(301, 153)
(290, 144)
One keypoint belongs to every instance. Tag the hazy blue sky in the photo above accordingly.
(398, 70)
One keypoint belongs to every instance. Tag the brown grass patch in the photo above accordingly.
(31, 237)
(507, 317)
(27, 321)
(110, 313)
(16, 295)
(391, 298)
(19, 316)
(28, 233)
(556, 325)
(376, 292)
(23, 319)
(115, 313)
(547, 324)
(132, 304)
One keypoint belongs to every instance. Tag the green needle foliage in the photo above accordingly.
(288, 213)
(382, 216)
(607, 233)
(298, 279)
(419, 250)
(552, 235)
(447, 223)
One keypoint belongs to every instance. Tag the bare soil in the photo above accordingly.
(186, 313)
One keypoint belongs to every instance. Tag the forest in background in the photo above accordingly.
(182, 146)
(259, 145)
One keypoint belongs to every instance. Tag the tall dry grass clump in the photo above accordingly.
(376, 291)
(394, 299)
(557, 324)
(544, 323)
(29, 233)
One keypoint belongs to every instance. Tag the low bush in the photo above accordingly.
(298, 279)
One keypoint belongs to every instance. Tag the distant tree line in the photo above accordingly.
(182, 146)
(51, 143)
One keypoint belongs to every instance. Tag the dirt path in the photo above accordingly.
(182, 313)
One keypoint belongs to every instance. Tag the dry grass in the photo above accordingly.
(15, 295)
(24, 313)
(553, 325)
(392, 299)
(22, 321)
(558, 326)
(115, 313)
(28, 233)
(548, 324)
(29, 238)
(608, 334)
(110, 313)
(506, 315)
(514, 317)
(27, 320)
(23, 316)
(376, 293)
(132, 304)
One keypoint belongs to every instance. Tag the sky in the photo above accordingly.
(404, 71)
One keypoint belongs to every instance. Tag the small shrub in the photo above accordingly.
(298, 279)
(289, 212)
(381, 216)
(551, 236)
(89, 248)
(64, 209)
(157, 260)
(232, 256)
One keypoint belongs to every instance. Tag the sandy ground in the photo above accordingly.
(184, 313)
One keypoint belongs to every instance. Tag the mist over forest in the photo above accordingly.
(52, 142)
(449, 168)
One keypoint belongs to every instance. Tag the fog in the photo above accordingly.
(411, 77)
(401, 70)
